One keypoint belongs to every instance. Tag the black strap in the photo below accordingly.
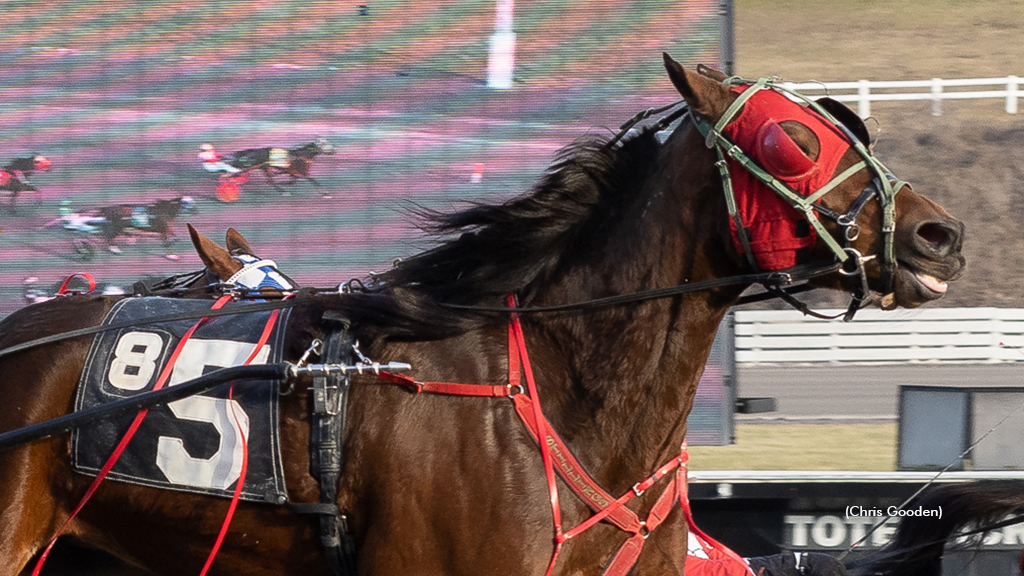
(778, 278)
(300, 300)
(327, 426)
(134, 403)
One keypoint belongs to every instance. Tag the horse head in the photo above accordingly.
(322, 146)
(807, 188)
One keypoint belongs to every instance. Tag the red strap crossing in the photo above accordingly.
(268, 329)
(558, 459)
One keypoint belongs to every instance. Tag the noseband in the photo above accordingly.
(883, 186)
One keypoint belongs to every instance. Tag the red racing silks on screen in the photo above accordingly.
(776, 231)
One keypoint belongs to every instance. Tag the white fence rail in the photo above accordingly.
(874, 336)
(864, 92)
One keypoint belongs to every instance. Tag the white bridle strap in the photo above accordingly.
(250, 267)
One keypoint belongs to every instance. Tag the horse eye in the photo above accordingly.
(781, 155)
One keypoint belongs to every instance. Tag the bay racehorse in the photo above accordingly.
(295, 162)
(14, 176)
(621, 262)
(155, 219)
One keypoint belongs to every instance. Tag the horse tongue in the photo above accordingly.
(932, 283)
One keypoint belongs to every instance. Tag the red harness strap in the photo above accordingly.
(88, 278)
(240, 483)
(557, 459)
(448, 388)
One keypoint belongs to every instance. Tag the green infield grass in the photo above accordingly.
(802, 447)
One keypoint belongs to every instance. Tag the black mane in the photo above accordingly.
(512, 247)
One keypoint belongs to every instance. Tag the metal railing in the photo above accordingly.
(864, 92)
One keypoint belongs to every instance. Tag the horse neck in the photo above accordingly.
(618, 383)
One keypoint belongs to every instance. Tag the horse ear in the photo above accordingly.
(216, 259)
(706, 96)
(711, 73)
(236, 243)
(848, 117)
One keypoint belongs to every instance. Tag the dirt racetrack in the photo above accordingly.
(971, 158)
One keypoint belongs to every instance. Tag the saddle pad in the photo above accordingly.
(193, 444)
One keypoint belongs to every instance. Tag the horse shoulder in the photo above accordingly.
(396, 437)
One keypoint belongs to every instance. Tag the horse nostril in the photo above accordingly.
(938, 236)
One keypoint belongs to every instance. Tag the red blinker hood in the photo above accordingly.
(775, 229)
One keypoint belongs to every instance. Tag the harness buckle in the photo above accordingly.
(710, 139)
(851, 231)
(637, 490)
(781, 278)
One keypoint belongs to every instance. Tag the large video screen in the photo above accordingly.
(121, 121)
(415, 104)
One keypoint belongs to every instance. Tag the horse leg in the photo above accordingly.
(270, 178)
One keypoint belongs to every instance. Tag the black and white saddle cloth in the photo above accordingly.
(196, 444)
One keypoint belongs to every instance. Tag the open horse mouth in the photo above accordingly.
(925, 285)
(934, 261)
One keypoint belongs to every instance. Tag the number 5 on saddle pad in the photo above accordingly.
(193, 444)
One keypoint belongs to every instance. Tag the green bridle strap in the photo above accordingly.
(730, 112)
(842, 177)
(730, 203)
(887, 195)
